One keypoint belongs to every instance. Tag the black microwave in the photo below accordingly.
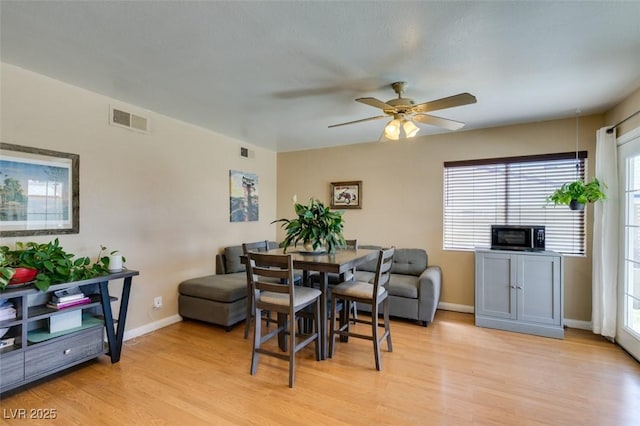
(517, 237)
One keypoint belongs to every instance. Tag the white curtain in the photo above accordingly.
(605, 238)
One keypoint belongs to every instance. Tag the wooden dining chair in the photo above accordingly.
(335, 279)
(274, 290)
(372, 294)
(257, 246)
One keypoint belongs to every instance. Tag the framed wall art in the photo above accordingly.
(243, 199)
(346, 195)
(39, 191)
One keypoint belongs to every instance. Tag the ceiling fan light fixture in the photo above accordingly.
(410, 129)
(392, 129)
(399, 128)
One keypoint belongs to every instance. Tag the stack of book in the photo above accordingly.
(67, 298)
(7, 311)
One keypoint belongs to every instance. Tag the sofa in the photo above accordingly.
(414, 286)
(220, 298)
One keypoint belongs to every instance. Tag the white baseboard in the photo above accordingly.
(455, 307)
(582, 325)
(467, 309)
(571, 323)
(152, 326)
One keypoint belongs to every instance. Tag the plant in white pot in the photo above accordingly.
(317, 227)
(576, 194)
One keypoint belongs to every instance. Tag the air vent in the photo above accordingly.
(121, 118)
(246, 152)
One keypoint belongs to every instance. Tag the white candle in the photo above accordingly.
(115, 263)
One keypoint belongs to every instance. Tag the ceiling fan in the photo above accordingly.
(405, 112)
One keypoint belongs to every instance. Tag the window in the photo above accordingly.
(512, 191)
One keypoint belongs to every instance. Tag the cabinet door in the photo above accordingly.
(538, 289)
(495, 294)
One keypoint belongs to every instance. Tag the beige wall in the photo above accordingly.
(402, 193)
(623, 110)
(162, 199)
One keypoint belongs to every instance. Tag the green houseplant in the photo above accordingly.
(576, 194)
(53, 263)
(316, 226)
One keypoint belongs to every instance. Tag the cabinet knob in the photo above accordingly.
(513, 286)
(67, 351)
(519, 287)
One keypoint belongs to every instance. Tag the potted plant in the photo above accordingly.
(53, 264)
(576, 194)
(316, 226)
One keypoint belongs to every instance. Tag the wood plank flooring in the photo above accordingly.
(451, 373)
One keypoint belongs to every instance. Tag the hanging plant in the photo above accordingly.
(576, 194)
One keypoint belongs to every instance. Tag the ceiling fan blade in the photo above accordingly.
(438, 121)
(376, 103)
(449, 102)
(360, 121)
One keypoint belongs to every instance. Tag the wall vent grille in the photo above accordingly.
(121, 118)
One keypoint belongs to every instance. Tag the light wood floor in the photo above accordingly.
(451, 373)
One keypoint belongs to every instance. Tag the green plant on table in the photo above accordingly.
(316, 224)
(53, 263)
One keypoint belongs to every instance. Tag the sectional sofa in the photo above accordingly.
(414, 287)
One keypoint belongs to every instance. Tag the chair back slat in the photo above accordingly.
(259, 246)
(383, 270)
(276, 268)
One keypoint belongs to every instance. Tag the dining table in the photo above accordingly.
(325, 263)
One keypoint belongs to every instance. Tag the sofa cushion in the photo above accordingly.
(221, 288)
(371, 265)
(409, 261)
(232, 259)
(399, 285)
(364, 276)
(403, 286)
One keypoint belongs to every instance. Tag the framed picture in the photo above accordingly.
(39, 191)
(346, 195)
(244, 203)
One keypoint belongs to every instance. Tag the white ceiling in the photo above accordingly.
(276, 74)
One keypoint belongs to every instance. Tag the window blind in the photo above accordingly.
(512, 191)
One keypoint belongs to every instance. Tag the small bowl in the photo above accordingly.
(23, 275)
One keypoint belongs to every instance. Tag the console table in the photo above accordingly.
(37, 353)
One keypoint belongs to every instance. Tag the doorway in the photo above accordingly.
(628, 321)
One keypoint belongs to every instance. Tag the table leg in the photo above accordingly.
(324, 288)
(115, 337)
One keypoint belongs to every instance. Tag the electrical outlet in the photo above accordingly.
(157, 302)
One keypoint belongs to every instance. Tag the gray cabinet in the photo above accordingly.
(519, 292)
(36, 353)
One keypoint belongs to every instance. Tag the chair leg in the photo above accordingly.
(291, 326)
(332, 326)
(257, 335)
(374, 332)
(354, 307)
(387, 328)
(317, 328)
(249, 314)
